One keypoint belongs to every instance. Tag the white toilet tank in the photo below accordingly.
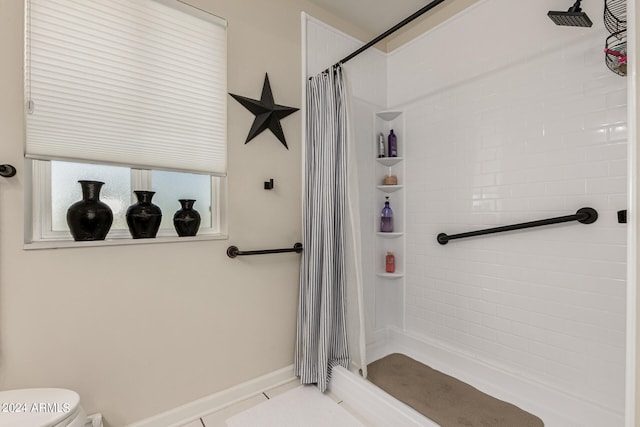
(41, 407)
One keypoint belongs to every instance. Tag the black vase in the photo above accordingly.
(186, 220)
(89, 218)
(143, 217)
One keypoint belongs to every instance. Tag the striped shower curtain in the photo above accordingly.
(321, 326)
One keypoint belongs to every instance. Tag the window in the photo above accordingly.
(57, 188)
(131, 93)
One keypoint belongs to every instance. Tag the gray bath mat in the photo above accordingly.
(444, 399)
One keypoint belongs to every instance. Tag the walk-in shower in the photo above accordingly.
(536, 316)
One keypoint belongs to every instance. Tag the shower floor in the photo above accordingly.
(442, 398)
(557, 409)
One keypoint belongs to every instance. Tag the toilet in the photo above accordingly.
(41, 407)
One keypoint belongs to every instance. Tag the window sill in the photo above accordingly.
(61, 244)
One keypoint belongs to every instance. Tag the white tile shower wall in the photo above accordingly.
(536, 137)
(362, 130)
(367, 77)
(366, 74)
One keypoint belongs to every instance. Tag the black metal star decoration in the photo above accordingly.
(268, 113)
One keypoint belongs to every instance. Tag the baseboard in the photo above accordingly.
(193, 410)
(555, 407)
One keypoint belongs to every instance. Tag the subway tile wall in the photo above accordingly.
(505, 123)
(512, 137)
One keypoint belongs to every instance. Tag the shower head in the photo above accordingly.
(574, 17)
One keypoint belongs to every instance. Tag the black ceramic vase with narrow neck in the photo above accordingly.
(89, 218)
(186, 220)
(143, 217)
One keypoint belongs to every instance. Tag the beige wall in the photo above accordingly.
(141, 329)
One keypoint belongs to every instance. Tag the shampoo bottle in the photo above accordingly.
(393, 145)
(386, 218)
(390, 263)
(381, 145)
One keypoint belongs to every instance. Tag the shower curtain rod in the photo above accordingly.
(387, 33)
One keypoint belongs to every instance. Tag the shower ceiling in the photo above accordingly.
(377, 16)
(373, 16)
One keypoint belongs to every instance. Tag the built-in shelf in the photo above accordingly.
(390, 275)
(393, 235)
(387, 116)
(388, 161)
(389, 188)
(385, 167)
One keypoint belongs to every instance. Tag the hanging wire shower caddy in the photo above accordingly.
(615, 15)
(615, 50)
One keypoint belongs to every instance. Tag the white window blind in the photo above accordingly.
(138, 83)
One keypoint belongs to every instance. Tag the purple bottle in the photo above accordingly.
(386, 218)
(393, 144)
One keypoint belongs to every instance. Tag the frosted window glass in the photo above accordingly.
(65, 190)
(172, 186)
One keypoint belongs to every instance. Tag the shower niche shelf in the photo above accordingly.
(389, 235)
(389, 161)
(390, 188)
(384, 122)
(390, 275)
(389, 115)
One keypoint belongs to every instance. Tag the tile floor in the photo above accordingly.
(217, 418)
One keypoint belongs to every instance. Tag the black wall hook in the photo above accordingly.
(622, 216)
(268, 185)
(7, 171)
